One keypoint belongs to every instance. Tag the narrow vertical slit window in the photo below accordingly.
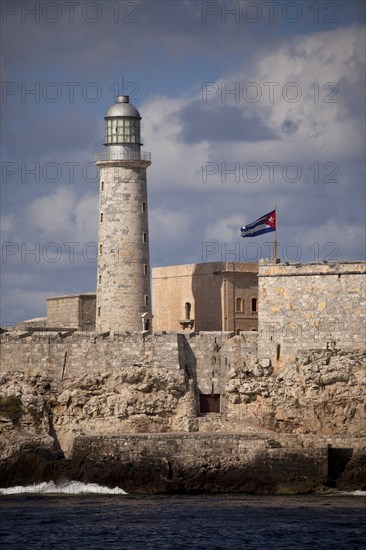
(144, 237)
(145, 269)
(102, 186)
(98, 311)
(101, 216)
(143, 206)
(100, 279)
(146, 300)
(100, 249)
(254, 305)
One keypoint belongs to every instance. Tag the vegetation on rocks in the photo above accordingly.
(11, 408)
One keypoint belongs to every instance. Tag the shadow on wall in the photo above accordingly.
(206, 290)
(187, 359)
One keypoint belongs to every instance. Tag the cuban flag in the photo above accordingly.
(265, 224)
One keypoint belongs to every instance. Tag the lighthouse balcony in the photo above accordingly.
(128, 154)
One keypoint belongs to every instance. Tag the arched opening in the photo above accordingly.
(187, 311)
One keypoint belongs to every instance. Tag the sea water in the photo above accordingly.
(76, 515)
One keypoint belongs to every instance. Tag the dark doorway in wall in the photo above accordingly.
(209, 403)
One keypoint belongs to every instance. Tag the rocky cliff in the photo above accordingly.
(316, 401)
(321, 392)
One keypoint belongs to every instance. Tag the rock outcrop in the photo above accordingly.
(320, 392)
(316, 402)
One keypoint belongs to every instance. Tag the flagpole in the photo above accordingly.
(275, 236)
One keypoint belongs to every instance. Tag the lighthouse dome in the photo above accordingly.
(122, 107)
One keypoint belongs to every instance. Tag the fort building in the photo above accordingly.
(217, 296)
(253, 371)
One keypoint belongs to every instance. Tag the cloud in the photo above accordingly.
(7, 226)
(225, 123)
(224, 229)
(64, 216)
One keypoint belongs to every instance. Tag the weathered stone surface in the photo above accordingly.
(72, 311)
(310, 306)
(353, 472)
(109, 390)
(123, 283)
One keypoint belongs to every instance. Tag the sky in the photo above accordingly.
(246, 106)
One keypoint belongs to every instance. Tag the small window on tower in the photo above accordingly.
(146, 300)
(239, 304)
(101, 216)
(143, 206)
(144, 237)
(102, 186)
(254, 305)
(100, 249)
(145, 269)
(98, 311)
(100, 279)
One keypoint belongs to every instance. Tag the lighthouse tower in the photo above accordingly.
(123, 279)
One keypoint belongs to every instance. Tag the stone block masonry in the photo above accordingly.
(66, 355)
(153, 463)
(73, 311)
(123, 283)
(304, 307)
(209, 356)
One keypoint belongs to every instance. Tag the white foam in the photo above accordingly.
(67, 488)
(352, 493)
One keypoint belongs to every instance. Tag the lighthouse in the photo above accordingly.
(123, 277)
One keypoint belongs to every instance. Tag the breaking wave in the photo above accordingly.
(67, 488)
(357, 493)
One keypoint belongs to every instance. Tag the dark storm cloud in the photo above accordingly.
(123, 31)
(119, 34)
(224, 123)
(35, 132)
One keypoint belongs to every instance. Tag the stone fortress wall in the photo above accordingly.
(62, 354)
(314, 306)
(246, 379)
(310, 306)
